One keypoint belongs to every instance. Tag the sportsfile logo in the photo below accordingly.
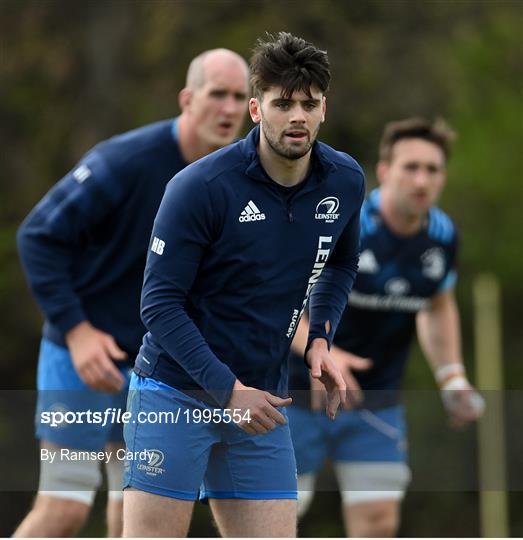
(326, 209)
(155, 459)
(58, 410)
(251, 213)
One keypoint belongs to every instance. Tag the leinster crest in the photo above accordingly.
(433, 263)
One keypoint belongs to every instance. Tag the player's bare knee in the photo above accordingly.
(114, 516)
(373, 520)
(382, 523)
(73, 516)
(150, 515)
(68, 516)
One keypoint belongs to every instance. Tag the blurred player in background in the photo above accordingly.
(405, 282)
(83, 248)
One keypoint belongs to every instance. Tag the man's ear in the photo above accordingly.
(323, 108)
(184, 98)
(382, 168)
(255, 110)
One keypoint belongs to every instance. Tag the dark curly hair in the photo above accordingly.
(290, 62)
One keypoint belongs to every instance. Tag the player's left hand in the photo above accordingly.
(462, 401)
(324, 369)
(346, 362)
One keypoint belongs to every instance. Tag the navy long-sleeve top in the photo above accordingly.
(83, 247)
(232, 261)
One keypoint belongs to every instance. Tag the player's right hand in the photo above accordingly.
(93, 352)
(260, 407)
(462, 401)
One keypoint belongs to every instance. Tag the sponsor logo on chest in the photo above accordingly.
(251, 213)
(397, 286)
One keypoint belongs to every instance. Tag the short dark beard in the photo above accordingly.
(288, 153)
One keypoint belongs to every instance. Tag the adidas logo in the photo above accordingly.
(368, 263)
(251, 213)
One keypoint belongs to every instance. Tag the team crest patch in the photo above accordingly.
(154, 459)
(433, 263)
(327, 209)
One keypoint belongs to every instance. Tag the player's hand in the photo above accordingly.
(462, 401)
(318, 395)
(346, 362)
(92, 352)
(261, 407)
(324, 369)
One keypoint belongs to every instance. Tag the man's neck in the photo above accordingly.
(399, 222)
(287, 172)
(191, 147)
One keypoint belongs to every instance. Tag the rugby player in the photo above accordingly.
(241, 239)
(406, 278)
(83, 248)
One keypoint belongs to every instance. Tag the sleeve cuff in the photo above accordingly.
(223, 396)
(68, 319)
(310, 339)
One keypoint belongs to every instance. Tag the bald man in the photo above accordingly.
(83, 250)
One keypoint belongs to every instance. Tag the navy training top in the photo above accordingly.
(83, 247)
(232, 262)
(397, 277)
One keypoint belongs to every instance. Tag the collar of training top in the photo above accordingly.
(323, 165)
